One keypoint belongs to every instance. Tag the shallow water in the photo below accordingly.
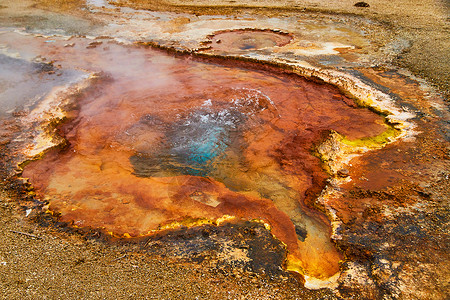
(159, 139)
(242, 40)
(24, 83)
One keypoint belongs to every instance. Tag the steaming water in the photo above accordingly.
(198, 140)
(157, 139)
(23, 84)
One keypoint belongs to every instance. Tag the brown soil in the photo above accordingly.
(43, 263)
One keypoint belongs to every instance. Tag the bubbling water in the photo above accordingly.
(166, 138)
(195, 143)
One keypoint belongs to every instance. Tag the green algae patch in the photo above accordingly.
(386, 137)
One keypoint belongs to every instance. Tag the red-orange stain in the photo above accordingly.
(267, 170)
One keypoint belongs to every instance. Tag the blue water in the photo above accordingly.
(201, 139)
(191, 145)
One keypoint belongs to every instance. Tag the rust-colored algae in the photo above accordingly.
(166, 139)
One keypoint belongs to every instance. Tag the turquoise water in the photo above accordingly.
(192, 145)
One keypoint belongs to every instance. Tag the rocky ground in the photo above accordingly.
(391, 219)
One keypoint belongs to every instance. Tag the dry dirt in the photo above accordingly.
(42, 263)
